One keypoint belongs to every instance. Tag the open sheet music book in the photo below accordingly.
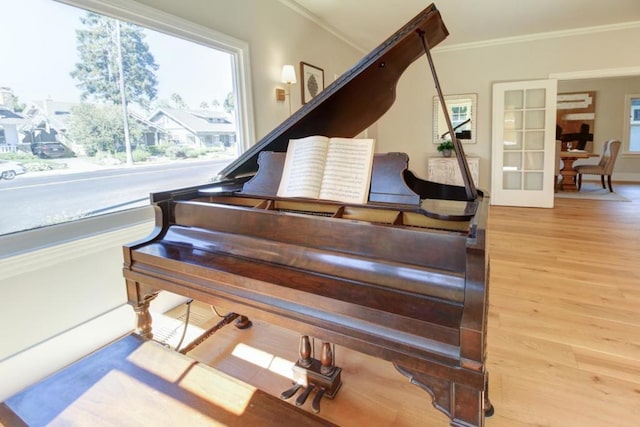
(336, 169)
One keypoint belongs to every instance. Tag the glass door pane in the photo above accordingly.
(523, 148)
(524, 119)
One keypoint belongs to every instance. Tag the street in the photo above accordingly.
(38, 199)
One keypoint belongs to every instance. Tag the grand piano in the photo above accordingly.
(403, 277)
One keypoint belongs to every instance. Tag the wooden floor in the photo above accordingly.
(564, 329)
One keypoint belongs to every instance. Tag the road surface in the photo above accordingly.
(37, 199)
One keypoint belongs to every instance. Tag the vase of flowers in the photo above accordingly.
(445, 148)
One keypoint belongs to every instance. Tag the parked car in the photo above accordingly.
(9, 169)
(51, 150)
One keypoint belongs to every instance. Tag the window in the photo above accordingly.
(635, 111)
(632, 124)
(95, 146)
(459, 114)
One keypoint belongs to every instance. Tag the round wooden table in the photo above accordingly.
(568, 173)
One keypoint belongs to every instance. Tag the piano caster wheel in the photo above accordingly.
(242, 322)
(489, 411)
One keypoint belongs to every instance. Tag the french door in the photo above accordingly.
(523, 143)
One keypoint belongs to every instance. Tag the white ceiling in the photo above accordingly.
(366, 23)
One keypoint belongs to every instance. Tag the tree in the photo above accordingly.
(100, 128)
(98, 70)
(161, 103)
(18, 106)
(116, 66)
(178, 102)
(229, 103)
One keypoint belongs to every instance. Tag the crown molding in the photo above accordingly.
(539, 36)
(597, 74)
(319, 22)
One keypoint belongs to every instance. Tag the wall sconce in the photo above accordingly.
(288, 76)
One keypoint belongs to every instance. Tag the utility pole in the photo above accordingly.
(123, 97)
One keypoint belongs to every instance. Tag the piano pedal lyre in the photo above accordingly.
(311, 374)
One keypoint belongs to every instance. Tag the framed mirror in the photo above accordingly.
(462, 111)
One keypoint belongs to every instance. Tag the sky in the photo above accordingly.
(38, 53)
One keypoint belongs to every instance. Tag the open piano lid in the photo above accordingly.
(358, 98)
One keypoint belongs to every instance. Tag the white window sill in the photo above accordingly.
(30, 240)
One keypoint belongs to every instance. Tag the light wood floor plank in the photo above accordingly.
(564, 328)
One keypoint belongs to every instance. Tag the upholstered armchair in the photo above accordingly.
(605, 165)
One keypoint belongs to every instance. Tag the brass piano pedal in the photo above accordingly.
(303, 396)
(315, 405)
(290, 392)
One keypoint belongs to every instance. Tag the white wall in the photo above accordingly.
(407, 126)
(47, 297)
(62, 302)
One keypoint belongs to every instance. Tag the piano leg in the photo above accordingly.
(139, 297)
(143, 317)
(464, 405)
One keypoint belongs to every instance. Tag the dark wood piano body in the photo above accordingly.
(403, 278)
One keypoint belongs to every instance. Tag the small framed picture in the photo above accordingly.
(312, 81)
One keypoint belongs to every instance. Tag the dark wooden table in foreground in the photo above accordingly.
(136, 382)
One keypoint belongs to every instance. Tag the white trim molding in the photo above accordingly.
(596, 74)
(538, 36)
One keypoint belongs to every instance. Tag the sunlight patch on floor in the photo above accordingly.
(168, 330)
(264, 360)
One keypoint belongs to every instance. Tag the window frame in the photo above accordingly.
(626, 133)
(157, 20)
(30, 240)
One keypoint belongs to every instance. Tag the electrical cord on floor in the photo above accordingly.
(186, 323)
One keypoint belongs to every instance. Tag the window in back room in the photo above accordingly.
(100, 112)
(632, 124)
